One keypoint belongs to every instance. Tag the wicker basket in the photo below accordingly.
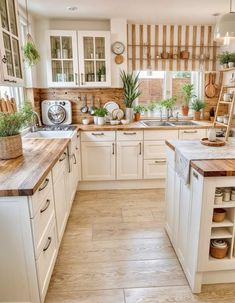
(219, 214)
(10, 147)
(218, 253)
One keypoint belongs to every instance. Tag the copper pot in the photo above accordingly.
(184, 54)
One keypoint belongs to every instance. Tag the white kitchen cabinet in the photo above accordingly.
(170, 201)
(62, 63)
(192, 134)
(129, 160)
(10, 46)
(155, 169)
(94, 58)
(98, 161)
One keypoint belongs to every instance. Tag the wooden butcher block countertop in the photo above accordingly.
(22, 176)
(210, 167)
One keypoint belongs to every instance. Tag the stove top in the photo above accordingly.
(57, 128)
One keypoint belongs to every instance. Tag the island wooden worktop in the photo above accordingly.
(22, 176)
(210, 167)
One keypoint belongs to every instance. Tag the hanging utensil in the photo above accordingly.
(210, 90)
(92, 108)
(84, 108)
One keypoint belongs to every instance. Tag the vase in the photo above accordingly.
(185, 110)
(231, 64)
(197, 116)
(10, 147)
(137, 117)
(101, 121)
(212, 134)
(129, 113)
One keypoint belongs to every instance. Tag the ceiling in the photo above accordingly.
(138, 11)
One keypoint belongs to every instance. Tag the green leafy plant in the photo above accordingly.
(151, 106)
(168, 103)
(12, 123)
(101, 71)
(101, 112)
(131, 87)
(187, 90)
(198, 104)
(139, 108)
(31, 54)
(232, 57)
(224, 57)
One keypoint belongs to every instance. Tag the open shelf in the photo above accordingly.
(221, 233)
(227, 69)
(229, 204)
(225, 223)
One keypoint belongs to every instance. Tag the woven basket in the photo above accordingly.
(10, 147)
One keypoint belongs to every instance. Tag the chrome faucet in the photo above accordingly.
(34, 124)
(160, 114)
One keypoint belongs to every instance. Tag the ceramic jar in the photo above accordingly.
(212, 134)
(227, 97)
(233, 194)
(226, 194)
(226, 118)
(231, 64)
(218, 196)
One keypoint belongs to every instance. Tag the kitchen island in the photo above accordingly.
(189, 218)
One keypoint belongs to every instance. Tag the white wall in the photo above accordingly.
(118, 32)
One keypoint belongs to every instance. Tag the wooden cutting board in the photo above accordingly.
(210, 89)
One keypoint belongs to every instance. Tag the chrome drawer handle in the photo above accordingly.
(160, 161)
(48, 244)
(130, 134)
(44, 185)
(97, 134)
(62, 159)
(190, 131)
(48, 202)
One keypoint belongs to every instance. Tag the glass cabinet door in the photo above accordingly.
(62, 59)
(11, 56)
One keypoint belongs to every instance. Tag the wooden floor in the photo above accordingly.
(115, 250)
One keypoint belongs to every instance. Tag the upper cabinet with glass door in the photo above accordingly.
(10, 53)
(62, 59)
(94, 58)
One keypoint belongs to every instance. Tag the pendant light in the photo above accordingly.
(225, 27)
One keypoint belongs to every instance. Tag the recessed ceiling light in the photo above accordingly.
(72, 8)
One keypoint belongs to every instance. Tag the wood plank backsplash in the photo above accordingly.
(73, 95)
(146, 43)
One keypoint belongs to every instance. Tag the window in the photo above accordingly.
(13, 92)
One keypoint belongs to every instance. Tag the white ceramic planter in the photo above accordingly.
(129, 113)
(101, 120)
(231, 64)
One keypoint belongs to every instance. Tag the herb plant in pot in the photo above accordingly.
(138, 109)
(224, 59)
(168, 104)
(197, 105)
(101, 113)
(231, 61)
(151, 108)
(10, 126)
(131, 92)
(187, 90)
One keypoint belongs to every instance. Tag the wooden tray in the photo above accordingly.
(217, 143)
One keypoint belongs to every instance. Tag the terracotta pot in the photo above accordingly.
(197, 115)
(165, 55)
(185, 110)
(184, 54)
(137, 117)
(10, 147)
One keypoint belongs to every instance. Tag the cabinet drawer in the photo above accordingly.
(36, 200)
(128, 135)
(60, 165)
(154, 169)
(98, 136)
(154, 150)
(160, 134)
(46, 260)
(192, 134)
(41, 221)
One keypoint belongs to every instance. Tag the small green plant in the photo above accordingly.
(101, 112)
(101, 72)
(198, 104)
(224, 57)
(187, 90)
(139, 108)
(131, 87)
(232, 57)
(152, 106)
(12, 123)
(168, 103)
(31, 54)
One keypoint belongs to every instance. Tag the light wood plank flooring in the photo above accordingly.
(115, 250)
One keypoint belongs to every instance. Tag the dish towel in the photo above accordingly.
(187, 151)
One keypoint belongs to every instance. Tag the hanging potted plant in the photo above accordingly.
(187, 91)
(197, 105)
(131, 92)
(100, 113)
(138, 109)
(10, 126)
(31, 54)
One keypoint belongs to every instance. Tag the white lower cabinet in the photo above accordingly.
(155, 169)
(98, 161)
(192, 134)
(129, 160)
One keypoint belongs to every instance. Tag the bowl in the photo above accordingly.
(124, 122)
(219, 215)
(220, 119)
(114, 122)
(85, 121)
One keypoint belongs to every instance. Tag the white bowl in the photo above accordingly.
(85, 121)
(220, 119)
(124, 122)
(114, 122)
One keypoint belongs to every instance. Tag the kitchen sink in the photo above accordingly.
(183, 123)
(43, 134)
(153, 123)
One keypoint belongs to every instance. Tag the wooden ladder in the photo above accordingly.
(230, 104)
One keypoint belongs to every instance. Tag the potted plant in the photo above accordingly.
(231, 61)
(138, 109)
(187, 90)
(131, 91)
(31, 54)
(101, 74)
(224, 59)
(151, 108)
(10, 126)
(197, 105)
(168, 104)
(101, 113)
